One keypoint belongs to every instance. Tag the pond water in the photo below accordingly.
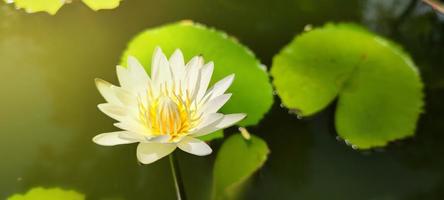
(48, 101)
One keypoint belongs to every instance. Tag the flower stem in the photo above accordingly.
(178, 183)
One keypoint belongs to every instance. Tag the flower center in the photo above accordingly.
(167, 114)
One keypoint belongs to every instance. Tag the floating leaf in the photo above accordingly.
(252, 92)
(212, 136)
(102, 4)
(52, 6)
(40, 193)
(32, 6)
(236, 161)
(379, 87)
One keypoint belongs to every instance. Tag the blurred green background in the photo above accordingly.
(48, 101)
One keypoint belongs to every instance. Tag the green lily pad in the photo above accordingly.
(379, 87)
(32, 6)
(252, 92)
(236, 161)
(40, 193)
(212, 136)
(52, 6)
(102, 4)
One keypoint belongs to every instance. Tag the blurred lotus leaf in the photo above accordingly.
(40, 193)
(379, 87)
(32, 6)
(252, 91)
(52, 6)
(212, 136)
(102, 4)
(236, 162)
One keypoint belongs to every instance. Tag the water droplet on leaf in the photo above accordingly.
(338, 138)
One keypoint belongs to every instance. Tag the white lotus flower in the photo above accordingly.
(168, 110)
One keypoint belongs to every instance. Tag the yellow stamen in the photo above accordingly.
(169, 113)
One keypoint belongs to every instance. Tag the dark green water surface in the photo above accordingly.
(48, 101)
